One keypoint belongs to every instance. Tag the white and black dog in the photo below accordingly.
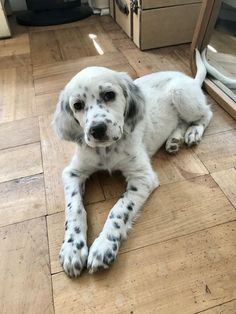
(118, 124)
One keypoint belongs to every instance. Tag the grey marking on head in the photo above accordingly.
(85, 96)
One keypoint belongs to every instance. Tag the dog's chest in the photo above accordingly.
(110, 158)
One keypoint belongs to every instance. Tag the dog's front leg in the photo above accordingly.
(141, 182)
(74, 250)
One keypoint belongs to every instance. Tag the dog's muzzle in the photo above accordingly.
(98, 131)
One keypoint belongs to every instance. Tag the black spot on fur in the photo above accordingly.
(114, 247)
(85, 96)
(86, 88)
(77, 230)
(118, 216)
(126, 217)
(80, 245)
(99, 102)
(116, 225)
(74, 193)
(115, 138)
(133, 188)
(77, 266)
(70, 240)
(93, 96)
(111, 216)
(69, 205)
(129, 207)
(66, 225)
(108, 120)
(108, 149)
(112, 238)
(79, 211)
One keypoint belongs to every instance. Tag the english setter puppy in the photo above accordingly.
(118, 124)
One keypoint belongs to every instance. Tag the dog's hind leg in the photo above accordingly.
(176, 139)
(196, 129)
(192, 108)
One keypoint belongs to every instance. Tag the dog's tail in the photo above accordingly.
(216, 74)
(201, 69)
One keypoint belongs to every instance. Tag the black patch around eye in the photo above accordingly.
(108, 96)
(79, 105)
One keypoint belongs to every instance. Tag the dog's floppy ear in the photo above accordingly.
(135, 108)
(64, 122)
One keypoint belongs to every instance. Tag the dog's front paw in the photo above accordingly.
(102, 252)
(73, 256)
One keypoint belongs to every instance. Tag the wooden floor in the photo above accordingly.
(181, 255)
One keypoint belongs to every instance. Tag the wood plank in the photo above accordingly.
(173, 168)
(19, 132)
(45, 103)
(173, 210)
(15, 51)
(21, 161)
(17, 45)
(164, 59)
(183, 275)
(113, 58)
(218, 151)
(227, 308)
(55, 82)
(17, 93)
(56, 156)
(226, 179)
(77, 42)
(22, 199)
(44, 48)
(24, 268)
(170, 168)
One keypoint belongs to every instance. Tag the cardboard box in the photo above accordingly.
(157, 23)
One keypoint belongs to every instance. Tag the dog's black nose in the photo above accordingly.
(98, 131)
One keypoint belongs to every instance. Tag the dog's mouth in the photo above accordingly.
(101, 143)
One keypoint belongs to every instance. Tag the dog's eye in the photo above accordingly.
(108, 96)
(79, 105)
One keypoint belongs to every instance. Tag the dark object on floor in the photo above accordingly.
(52, 12)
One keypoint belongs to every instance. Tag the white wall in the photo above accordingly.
(18, 5)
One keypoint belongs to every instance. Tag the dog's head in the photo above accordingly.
(98, 105)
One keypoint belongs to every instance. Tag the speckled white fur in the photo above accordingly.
(162, 107)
